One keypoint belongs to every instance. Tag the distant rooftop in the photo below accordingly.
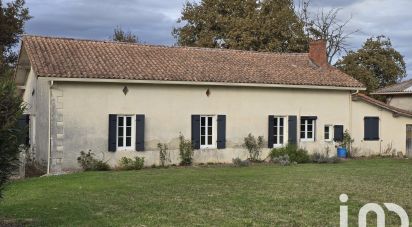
(400, 88)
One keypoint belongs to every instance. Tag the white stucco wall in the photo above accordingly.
(392, 130)
(402, 102)
(85, 108)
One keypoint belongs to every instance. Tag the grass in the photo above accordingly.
(301, 195)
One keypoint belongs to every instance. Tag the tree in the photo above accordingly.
(325, 25)
(13, 16)
(122, 36)
(266, 25)
(376, 64)
(11, 109)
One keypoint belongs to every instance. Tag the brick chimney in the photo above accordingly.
(317, 52)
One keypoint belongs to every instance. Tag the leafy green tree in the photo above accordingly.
(122, 36)
(13, 16)
(376, 64)
(11, 109)
(266, 25)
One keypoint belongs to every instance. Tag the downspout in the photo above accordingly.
(351, 115)
(49, 131)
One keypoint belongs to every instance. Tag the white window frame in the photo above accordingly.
(278, 131)
(132, 146)
(305, 122)
(213, 145)
(331, 135)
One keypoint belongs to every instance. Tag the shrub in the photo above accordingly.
(185, 151)
(347, 142)
(89, 163)
(240, 163)
(11, 109)
(254, 146)
(283, 160)
(321, 158)
(295, 154)
(131, 164)
(164, 156)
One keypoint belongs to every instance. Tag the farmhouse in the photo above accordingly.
(120, 99)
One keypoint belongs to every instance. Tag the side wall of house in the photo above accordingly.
(35, 97)
(392, 130)
(402, 102)
(84, 108)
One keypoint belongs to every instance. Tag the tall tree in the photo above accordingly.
(13, 16)
(376, 64)
(266, 25)
(11, 108)
(121, 36)
(325, 24)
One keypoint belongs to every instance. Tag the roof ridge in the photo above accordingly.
(166, 46)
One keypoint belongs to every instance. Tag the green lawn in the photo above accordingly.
(301, 195)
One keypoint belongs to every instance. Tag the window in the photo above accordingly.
(328, 132)
(207, 132)
(371, 128)
(278, 131)
(307, 128)
(125, 132)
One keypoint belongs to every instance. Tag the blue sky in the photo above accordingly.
(153, 20)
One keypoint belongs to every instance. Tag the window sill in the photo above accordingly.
(307, 140)
(208, 148)
(278, 145)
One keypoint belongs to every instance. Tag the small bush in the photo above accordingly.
(240, 163)
(283, 160)
(185, 151)
(295, 154)
(321, 158)
(130, 164)
(164, 156)
(89, 163)
(254, 146)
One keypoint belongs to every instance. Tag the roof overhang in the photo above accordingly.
(392, 93)
(192, 83)
(396, 112)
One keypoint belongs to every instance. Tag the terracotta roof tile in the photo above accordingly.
(404, 87)
(71, 58)
(396, 111)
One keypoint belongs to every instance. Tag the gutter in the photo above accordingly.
(164, 82)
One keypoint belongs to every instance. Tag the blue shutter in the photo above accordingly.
(371, 128)
(112, 132)
(221, 131)
(196, 131)
(337, 133)
(271, 124)
(292, 130)
(140, 125)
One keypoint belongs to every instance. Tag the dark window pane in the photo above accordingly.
(202, 130)
(202, 121)
(310, 135)
(120, 121)
(281, 140)
(281, 121)
(310, 127)
(281, 131)
(209, 140)
(120, 131)
(128, 121)
(302, 135)
(209, 122)
(275, 131)
(209, 131)
(128, 141)
(128, 131)
(202, 140)
(275, 122)
(120, 142)
(302, 127)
